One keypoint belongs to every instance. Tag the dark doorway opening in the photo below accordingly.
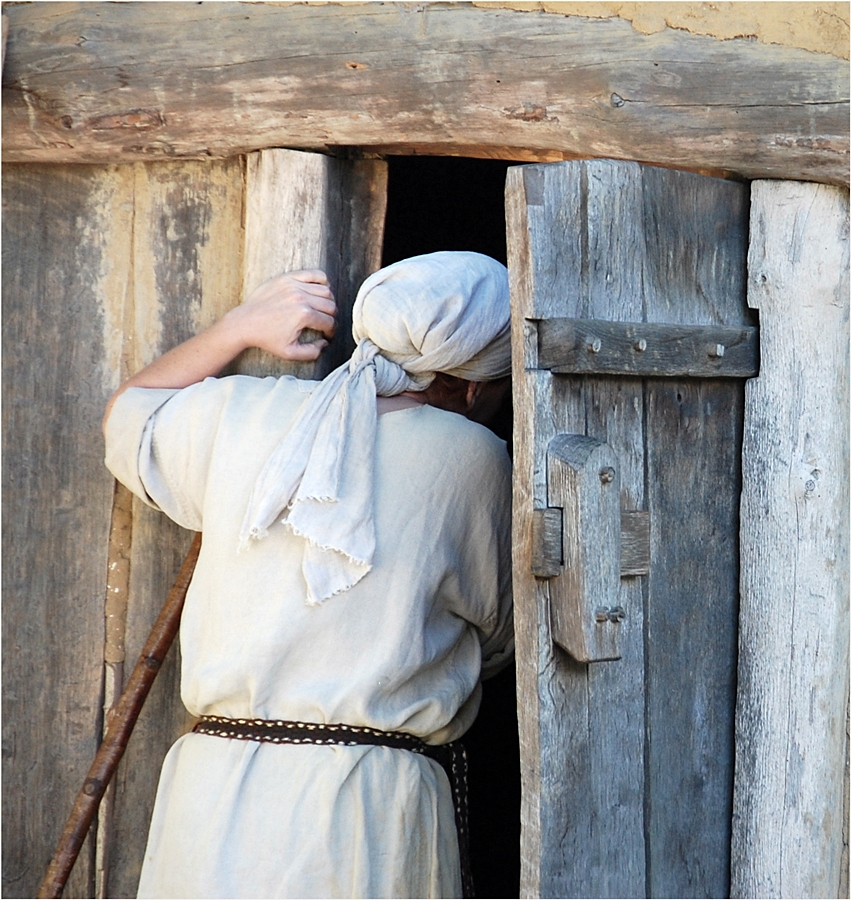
(452, 203)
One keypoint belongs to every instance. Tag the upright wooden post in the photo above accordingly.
(793, 640)
(309, 211)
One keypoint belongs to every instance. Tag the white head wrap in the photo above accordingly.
(442, 312)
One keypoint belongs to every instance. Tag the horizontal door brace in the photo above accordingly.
(644, 349)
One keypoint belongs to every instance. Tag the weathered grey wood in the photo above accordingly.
(696, 275)
(546, 542)
(309, 211)
(578, 754)
(846, 814)
(583, 480)
(635, 542)
(57, 258)
(4, 23)
(693, 482)
(793, 664)
(186, 233)
(577, 346)
(616, 240)
(137, 81)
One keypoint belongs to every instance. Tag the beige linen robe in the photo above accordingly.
(402, 650)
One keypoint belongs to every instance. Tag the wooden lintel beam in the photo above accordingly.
(97, 82)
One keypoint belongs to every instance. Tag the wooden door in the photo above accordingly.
(632, 339)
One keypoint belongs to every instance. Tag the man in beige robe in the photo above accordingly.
(355, 571)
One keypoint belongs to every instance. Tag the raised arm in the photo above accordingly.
(273, 319)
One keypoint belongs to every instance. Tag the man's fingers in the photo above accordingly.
(317, 291)
(309, 276)
(306, 352)
(320, 321)
(324, 305)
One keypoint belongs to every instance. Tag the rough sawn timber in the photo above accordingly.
(136, 81)
(790, 804)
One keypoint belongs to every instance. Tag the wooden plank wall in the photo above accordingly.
(104, 269)
(66, 250)
(790, 799)
(307, 211)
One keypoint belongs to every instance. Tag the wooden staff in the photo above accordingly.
(120, 728)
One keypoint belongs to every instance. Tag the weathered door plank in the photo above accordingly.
(572, 715)
(696, 276)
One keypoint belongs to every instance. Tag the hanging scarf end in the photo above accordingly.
(254, 534)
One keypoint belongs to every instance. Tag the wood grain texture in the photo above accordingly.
(793, 664)
(187, 244)
(635, 542)
(580, 346)
(696, 275)
(582, 771)
(591, 532)
(58, 254)
(95, 82)
(617, 241)
(546, 542)
(309, 211)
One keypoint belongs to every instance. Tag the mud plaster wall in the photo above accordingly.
(818, 27)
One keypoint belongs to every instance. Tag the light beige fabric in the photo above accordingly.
(403, 652)
(441, 312)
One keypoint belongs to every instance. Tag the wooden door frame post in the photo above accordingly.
(793, 642)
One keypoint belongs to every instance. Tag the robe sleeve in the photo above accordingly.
(159, 444)
(485, 572)
(498, 642)
(498, 646)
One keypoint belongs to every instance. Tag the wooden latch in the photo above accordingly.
(585, 544)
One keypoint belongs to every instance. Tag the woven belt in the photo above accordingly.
(452, 757)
